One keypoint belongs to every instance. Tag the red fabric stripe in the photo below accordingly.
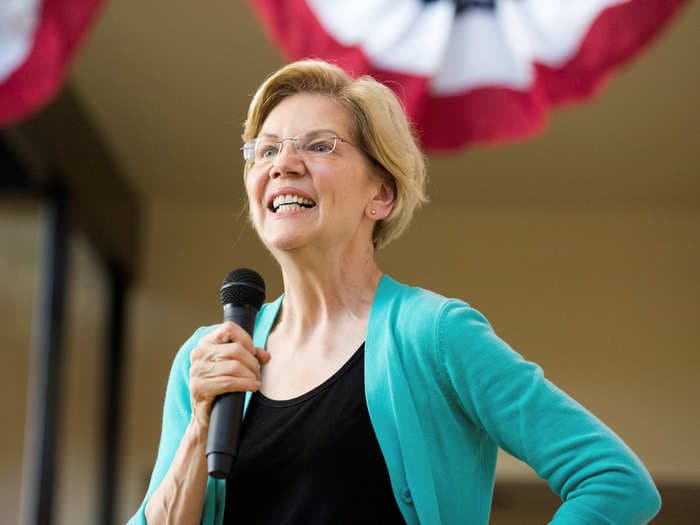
(489, 114)
(38, 79)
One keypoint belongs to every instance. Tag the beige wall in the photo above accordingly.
(21, 235)
(18, 255)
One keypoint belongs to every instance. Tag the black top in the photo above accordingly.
(312, 460)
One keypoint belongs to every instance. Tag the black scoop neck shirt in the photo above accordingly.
(312, 460)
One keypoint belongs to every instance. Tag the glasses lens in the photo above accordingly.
(266, 148)
(248, 150)
(314, 144)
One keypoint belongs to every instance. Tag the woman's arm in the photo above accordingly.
(180, 496)
(207, 365)
(600, 480)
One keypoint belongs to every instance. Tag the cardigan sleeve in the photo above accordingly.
(177, 412)
(599, 479)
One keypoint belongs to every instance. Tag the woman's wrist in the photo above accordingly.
(198, 428)
(180, 497)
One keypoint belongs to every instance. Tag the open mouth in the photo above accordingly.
(289, 203)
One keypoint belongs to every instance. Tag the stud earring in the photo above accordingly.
(373, 212)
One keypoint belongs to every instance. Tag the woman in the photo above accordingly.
(373, 401)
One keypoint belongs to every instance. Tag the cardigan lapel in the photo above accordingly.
(392, 411)
(263, 326)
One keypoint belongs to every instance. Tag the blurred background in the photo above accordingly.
(581, 245)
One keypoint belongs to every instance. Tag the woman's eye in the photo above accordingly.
(267, 151)
(320, 146)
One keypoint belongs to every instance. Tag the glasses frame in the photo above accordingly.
(249, 146)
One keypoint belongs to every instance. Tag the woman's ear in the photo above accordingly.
(382, 202)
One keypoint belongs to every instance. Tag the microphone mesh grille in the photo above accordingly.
(243, 287)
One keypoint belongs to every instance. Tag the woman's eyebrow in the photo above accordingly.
(311, 132)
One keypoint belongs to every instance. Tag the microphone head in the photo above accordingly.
(243, 287)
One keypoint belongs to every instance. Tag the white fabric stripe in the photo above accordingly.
(399, 35)
(477, 48)
(549, 31)
(479, 54)
(350, 22)
(500, 51)
(18, 22)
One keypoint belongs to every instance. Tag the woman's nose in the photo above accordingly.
(289, 146)
(288, 161)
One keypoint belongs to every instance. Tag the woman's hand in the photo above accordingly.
(224, 360)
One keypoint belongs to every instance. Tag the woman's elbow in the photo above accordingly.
(649, 499)
(641, 500)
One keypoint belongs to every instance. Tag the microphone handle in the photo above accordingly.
(227, 409)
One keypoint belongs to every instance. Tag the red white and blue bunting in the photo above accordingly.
(37, 39)
(471, 71)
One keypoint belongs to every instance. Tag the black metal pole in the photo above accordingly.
(111, 408)
(42, 430)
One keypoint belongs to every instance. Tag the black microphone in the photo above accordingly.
(242, 294)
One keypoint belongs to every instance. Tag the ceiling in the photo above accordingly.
(168, 84)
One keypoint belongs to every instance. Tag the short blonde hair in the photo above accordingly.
(378, 123)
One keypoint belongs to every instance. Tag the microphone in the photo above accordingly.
(242, 294)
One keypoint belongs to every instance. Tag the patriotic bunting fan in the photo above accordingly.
(471, 71)
(37, 38)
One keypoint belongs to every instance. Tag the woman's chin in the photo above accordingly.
(286, 241)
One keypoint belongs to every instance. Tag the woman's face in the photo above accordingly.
(334, 192)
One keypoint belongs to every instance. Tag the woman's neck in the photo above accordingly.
(327, 287)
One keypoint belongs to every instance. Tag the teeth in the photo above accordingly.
(290, 199)
(290, 207)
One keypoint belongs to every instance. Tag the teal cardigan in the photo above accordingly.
(443, 393)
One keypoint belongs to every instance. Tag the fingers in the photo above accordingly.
(263, 356)
(225, 342)
(204, 390)
(219, 353)
(224, 361)
(209, 379)
(229, 331)
(239, 364)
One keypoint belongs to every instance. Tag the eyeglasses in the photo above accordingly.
(311, 145)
